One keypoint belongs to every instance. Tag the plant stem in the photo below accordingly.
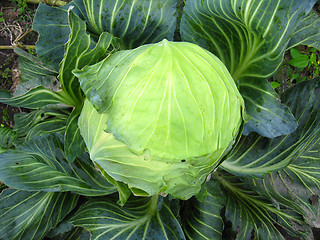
(18, 45)
(50, 2)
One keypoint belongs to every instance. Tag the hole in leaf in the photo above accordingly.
(314, 200)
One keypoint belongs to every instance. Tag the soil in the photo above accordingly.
(15, 27)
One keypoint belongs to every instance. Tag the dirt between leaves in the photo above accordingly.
(15, 28)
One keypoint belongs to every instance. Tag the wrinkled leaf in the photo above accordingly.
(254, 216)
(34, 73)
(40, 164)
(140, 218)
(31, 215)
(256, 155)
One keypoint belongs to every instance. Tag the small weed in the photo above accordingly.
(1, 17)
(5, 115)
(303, 63)
(6, 73)
(21, 4)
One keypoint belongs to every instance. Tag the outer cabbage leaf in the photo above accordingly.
(140, 218)
(256, 155)
(133, 22)
(307, 32)
(254, 216)
(202, 220)
(249, 36)
(31, 215)
(40, 165)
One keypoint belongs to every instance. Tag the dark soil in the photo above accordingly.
(15, 28)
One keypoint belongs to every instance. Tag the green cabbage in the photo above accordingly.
(160, 117)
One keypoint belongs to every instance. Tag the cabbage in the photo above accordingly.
(160, 117)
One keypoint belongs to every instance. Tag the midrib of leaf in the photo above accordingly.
(298, 171)
(38, 207)
(248, 199)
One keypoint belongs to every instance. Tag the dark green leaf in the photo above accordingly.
(66, 231)
(30, 215)
(254, 216)
(250, 37)
(307, 31)
(297, 186)
(53, 28)
(41, 121)
(203, 220)
(73, 141)
(140, 218)
(133, 22)
(268, 116)
(32, 70)
(40, 164)
(256, 155)
(7, 138)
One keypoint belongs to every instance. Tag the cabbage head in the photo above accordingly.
(160, 117)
